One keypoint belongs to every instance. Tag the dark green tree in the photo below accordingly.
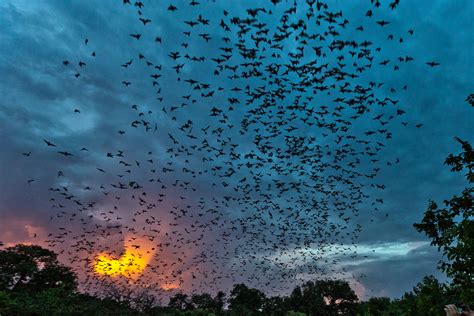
(245, 301)
(339, 297)
(180, 301)
(323, 297)
(312, 302)
(274, 306)
(202, 301)
(33, 268)
(376, 306)
(295, 301)
(430, 296)
(219, 302)
(206, 304)
(427, 298)
(451, 227)
(33, 282)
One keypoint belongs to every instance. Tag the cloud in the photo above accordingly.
(399, 272)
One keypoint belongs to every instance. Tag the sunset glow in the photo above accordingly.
(169, 287)
(130, 265)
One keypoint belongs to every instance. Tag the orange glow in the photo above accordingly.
(131, 264)
(169, 287)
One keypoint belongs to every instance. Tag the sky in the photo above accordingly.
(94, 114)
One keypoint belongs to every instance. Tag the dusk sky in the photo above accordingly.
(119, 132)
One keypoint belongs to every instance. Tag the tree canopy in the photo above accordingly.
(35, 283)
(33, 268)
(451, 226)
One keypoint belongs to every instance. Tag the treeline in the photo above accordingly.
(33, 282)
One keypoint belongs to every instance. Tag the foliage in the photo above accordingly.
(180, 301)
(33, 268)
(245, 301)
(37, 295)
(328, 297)
(451, 228)
(376, 306)
(274, 306)
(427, 298)
(58, 301)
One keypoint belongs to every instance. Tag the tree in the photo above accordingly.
(143, 300)
(451, 228)
(219, 302)
(430, 296)
(323, 297)
(245, 300)
(274, 306)
(33, 268)
(295, 301)
(33, 282)
(376, 306)
(427, 298)
(180, 301)
(339, 297)
(202, 301)
(312, 302)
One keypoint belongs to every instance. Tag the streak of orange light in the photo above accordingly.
(169, 287)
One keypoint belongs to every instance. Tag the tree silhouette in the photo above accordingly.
(451, 228)
(33, 268)
(34, 283)
(327, 297)
(180, 301)
(245, 301)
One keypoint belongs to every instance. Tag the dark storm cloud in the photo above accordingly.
(39, 97)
